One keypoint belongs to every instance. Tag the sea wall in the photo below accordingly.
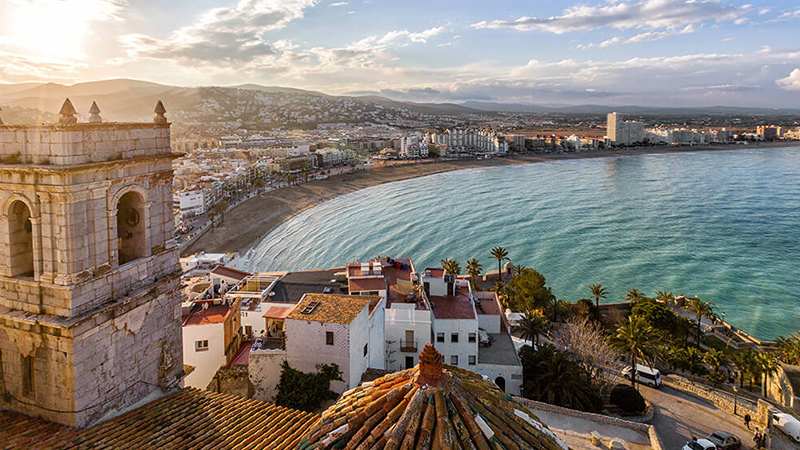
(721, 399)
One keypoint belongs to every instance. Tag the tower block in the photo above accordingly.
(89, 273)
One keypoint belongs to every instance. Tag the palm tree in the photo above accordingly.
(451, 266)
(636, 338)
(500, 254)
(474, 268)
(598, 292)
(701, 309)
(532, 325)
(634, 296)
(665, 297)
(518, 269)
(767, 365)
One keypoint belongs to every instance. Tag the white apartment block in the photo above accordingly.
(193, 202)
(621, 132)
(462, 140)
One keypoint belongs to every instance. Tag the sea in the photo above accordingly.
(723, 225)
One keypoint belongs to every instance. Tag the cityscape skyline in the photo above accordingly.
(642, 52)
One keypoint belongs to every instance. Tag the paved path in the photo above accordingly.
(679, 416)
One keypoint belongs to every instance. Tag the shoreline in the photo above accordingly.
(252, 220)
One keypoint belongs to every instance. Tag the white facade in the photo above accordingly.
(622, 132)
(204, 349)
(408, 329)
(457, 340)
(193, 202)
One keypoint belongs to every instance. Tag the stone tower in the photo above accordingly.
(89, 275)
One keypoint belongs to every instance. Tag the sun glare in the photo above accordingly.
(56, 29)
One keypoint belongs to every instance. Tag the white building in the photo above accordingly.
(414, 146)
(622, 132)
(210, 339)
(347, 330)
(193, 202)
(469, 141)
(202, 263)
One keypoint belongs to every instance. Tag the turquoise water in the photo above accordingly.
(723, 225)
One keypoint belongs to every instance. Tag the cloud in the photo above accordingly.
(648, 36)
(339, 4)
(231, 34)
(790, 83)
(647, 14)
(85, 10)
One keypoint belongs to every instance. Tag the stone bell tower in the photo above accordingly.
(89, 275)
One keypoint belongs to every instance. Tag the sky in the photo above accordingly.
(636, 52)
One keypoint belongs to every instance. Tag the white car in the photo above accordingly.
(788, 424)
(700, 444)
(645, 375)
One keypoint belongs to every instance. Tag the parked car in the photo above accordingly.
(724, 440)
(788, 424)
(645, 375)
(700, 444)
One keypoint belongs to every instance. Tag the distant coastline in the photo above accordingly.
(248, 223)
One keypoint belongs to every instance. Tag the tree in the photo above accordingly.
(259, 183)
(553, 376)
(789, 349)
(747, 361)
(500, 254)
(474, 269)
(451, 266)
(701, 309)
(584, 338)
(673, 327)
(768, 366)
(218, 210)
(598, 292)
(715, 359)
(634, 296)
(636, 338)
(665, 297)
(528, 291)
(532, 325)
(306, 391)
(518, 269)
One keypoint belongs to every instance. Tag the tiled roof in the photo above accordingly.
(212, 314)
(366, 284)
(189, 418)
(399, 411)
(332, 308)
(228, 272)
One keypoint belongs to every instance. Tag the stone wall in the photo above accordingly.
(264, 371)
(655, 440)
(57, 144)
(721, 399)
(233, 381)
(779, 389)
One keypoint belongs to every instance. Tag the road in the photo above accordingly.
(679, 417)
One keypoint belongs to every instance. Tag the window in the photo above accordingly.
(366, 349)
(472, 337)
(454, 360)
(454, 337)
(130, 228)
(248, 330)
(20, 234)
(329, 338)
(439, 337)
(27, 375)
(200, 346)
(409, 362)
(471, 360)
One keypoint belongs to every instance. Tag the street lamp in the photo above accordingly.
(735, 391)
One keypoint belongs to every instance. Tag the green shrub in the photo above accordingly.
(628, 399)
(306, 391)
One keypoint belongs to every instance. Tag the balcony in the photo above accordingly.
(408, 346)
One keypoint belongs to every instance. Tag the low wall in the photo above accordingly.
(655, 440)
(721, 399)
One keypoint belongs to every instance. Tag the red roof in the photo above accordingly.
(212, 314)
(242, 356)
(227, 272)
(452, 307)
(366, 284)
(277, 312)
(436, 272)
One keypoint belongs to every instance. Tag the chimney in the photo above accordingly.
(430, 366)
(68, 113)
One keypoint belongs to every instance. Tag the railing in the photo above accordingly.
(269, 343)
(408, 346)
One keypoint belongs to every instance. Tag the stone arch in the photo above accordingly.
(19, 219)
(131, 227)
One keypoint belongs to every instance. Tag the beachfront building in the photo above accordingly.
(346, 330)
(468, 141)
(624, 132)
(202, 263)
(414, 146)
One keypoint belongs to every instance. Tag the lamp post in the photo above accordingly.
(735, 392)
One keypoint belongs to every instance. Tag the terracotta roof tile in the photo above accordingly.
(189, 418)
(332, 308)
(402, 411)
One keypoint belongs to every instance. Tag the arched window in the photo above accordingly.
(20, 232)
(131, 243)
(501, 383)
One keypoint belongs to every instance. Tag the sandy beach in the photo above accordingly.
(248, 223)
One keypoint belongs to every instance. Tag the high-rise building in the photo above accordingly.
(89, 274)
(621, 132)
